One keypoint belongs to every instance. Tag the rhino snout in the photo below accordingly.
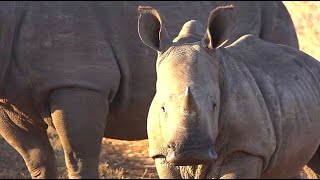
(191, 156)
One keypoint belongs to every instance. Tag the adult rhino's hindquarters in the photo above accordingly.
(247, 110)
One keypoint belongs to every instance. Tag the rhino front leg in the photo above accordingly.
(166, 170)
(34, 147)
(242, 166)
(79, 116)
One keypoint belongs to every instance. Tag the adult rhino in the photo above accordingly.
(81, 68)
(247, 110)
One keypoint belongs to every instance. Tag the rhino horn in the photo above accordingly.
(189, 104)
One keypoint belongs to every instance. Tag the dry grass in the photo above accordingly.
(307, 173)
(124, 159)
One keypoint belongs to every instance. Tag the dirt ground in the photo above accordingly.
(129, 159)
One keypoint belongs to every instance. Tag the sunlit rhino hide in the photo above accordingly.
(250, 109)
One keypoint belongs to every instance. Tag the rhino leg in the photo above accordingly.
(166, 170)
(34, 147)
(79, 116)
(242, 166)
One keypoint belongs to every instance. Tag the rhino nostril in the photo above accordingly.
(171, 146)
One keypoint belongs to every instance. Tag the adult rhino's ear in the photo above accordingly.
(151, 29)
(221, 21)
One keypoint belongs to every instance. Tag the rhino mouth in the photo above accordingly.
(184, 157)
(161, 156)
(191, 157)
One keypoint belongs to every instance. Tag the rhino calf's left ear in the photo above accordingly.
(151, 29)
(221, 22)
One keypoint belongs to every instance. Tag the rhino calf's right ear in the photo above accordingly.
(151, 29)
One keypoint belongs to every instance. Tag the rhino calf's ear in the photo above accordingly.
(221, 21)
(151, 29)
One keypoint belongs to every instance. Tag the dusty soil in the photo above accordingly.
(125, 159)
(131, 156)
(119, 159)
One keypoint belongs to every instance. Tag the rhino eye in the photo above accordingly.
(163, 109)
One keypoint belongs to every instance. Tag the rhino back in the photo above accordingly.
(280, 89)
(277, 24)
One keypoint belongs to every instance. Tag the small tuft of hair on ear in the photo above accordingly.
(147, 9)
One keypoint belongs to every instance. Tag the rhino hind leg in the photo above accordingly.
(34, 147)
(314, 163)
(79, 116)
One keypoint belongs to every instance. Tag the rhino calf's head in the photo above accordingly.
(183, 117)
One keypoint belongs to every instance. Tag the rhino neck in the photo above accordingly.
(218, 58)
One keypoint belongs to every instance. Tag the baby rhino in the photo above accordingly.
(247, 110)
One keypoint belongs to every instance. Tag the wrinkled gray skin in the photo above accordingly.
(247, 110)
(81, 68)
